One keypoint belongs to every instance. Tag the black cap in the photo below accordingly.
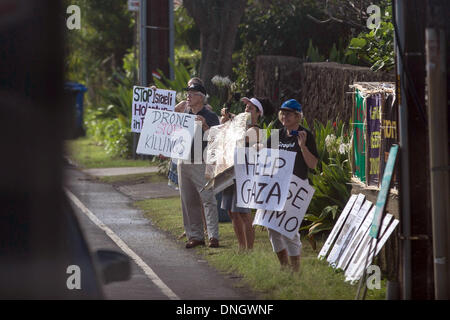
(196, 87)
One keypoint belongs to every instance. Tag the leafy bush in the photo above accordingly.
(114, 134)
(376, 48)
(331, 177)
(280, 28)
(188, 58)
(182, 76)
(110, 123)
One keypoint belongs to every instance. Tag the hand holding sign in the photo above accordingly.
(203, 121)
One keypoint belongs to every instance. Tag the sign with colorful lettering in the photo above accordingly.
(167, 133)
(149, 98)
(389, 136)
(373, 104)
(359, 132)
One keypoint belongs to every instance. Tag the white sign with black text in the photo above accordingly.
(133, 5)
(337, 227)
(288, 221)
(167, 133)
(263, 178)
(340, 241)
(149, 98)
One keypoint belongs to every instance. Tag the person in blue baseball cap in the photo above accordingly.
(293, 137)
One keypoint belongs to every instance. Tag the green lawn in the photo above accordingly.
(259, 269)
(86, 153)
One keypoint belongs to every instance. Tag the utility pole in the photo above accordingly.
(158, 36)
(417, 278)
(156, 43)
(438, 127)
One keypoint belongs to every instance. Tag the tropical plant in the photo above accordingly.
(376, 47)
(280, 27)
(110, 123)
(331, 177)
(180, 81)
(313, 54)
(96, 51)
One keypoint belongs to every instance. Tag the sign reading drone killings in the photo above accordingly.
(167, 133)
(262, 178)
(288, 221)
(149, 98)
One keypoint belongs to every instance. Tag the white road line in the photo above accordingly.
(122, 245)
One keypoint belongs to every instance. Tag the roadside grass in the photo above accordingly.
(88, 154)
(259, 269)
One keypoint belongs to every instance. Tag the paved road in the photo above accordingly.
(182, 271)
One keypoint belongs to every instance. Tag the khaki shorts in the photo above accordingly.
(280, 242)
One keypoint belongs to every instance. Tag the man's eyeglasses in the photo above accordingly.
(190, 94)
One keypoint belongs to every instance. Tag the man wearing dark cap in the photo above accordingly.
(191, 177)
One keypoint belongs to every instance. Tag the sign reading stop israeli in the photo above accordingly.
(149, 98)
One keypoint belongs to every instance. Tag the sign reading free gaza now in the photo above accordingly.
(149, 98)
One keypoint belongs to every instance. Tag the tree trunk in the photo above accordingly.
(218, 22)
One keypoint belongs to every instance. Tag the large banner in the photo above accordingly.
(149, 98)
(389, 118)
(263, 178)
(167, 133)
(288, 221)
(373, 104)
(359, 141)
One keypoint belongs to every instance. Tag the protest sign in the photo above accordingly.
(361, 253)
(336, 251)
(263, 178)
(355, 241)
(337, 227)
(373, 104)
(359, 132)
(354, 227)
(389, 118)
(288, 221)
(365, 257)
(167, 133)
(149, 98)
(222, 140)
